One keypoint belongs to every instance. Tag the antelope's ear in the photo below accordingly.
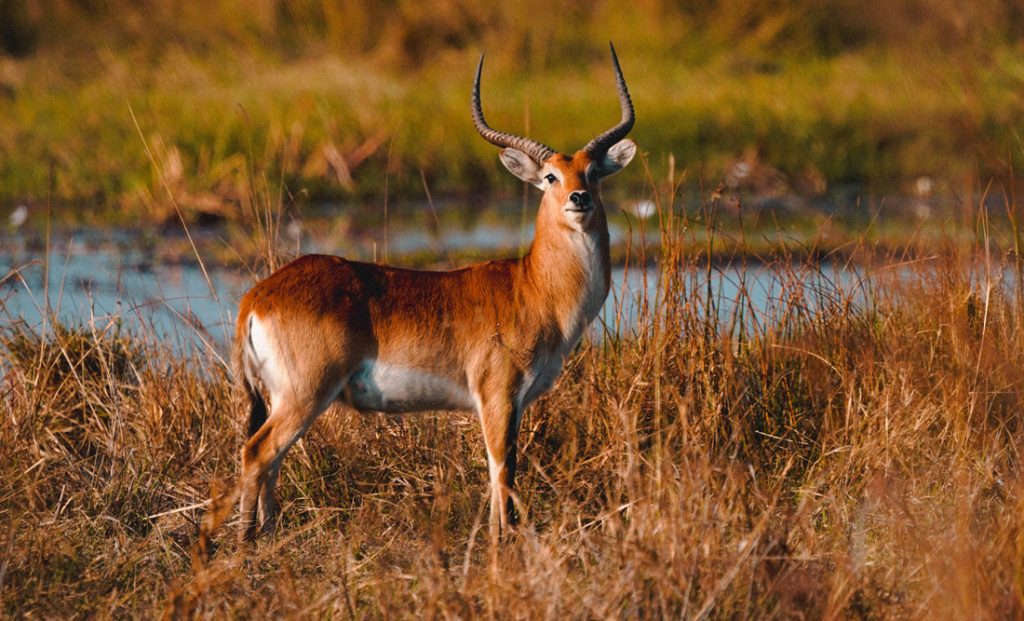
(521, 165)
(616, 158)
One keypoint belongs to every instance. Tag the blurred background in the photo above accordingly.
(111, 111)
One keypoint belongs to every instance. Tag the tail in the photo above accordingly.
(240, 366)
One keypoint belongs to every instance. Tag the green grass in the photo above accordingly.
(209, 102)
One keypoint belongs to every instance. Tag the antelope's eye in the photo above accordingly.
(550, 178)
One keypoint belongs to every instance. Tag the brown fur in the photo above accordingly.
(492, 330)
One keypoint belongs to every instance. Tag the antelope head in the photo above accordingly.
(570, 182)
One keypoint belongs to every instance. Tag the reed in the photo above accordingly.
(849, 449)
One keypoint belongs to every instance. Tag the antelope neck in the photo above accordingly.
(566, 267)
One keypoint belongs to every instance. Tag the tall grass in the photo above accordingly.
(850, 449)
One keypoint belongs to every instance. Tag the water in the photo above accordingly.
(95, 282)
(83, 283)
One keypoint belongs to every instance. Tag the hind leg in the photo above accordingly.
(267, 509)
(262, 456)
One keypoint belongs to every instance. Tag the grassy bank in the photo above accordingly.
(148, 105)
(852, 451)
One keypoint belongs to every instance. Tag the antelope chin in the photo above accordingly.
(578, 218)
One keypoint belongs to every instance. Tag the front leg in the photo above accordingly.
(499, 418)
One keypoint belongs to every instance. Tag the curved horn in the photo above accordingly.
(539, 152)
(601, 144)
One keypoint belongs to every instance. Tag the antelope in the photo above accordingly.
(488, 338)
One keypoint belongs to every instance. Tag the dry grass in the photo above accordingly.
(852, 452)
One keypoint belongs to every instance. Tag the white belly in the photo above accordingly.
(380, 387)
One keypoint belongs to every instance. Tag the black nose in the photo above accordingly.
(581, 199)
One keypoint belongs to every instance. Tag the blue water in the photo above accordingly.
(102, 283)
(81, 283)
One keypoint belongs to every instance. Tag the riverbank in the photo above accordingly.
(128, 126)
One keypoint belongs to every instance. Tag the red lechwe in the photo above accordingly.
(490, 338)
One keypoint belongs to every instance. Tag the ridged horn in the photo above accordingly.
(536, 150)
(601, 144)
